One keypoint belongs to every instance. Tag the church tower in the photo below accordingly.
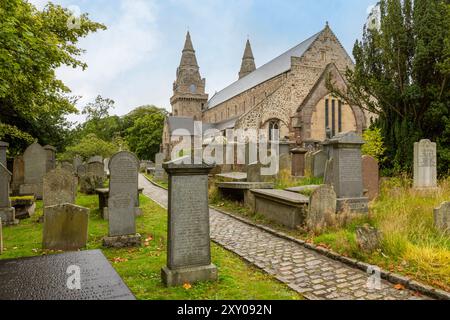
(248, 61)
(189, 98)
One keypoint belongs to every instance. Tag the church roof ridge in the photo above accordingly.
(271, 69)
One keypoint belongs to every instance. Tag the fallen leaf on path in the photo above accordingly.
(399, 286)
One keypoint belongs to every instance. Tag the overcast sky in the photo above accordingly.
(135, 60)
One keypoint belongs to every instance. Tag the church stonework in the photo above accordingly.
(288, 93)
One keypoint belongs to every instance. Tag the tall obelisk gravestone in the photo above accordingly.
(188, 247)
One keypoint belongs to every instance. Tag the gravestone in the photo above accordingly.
(7, 213)
(51, 157)
(97, 169)
(322, 208)
(425, 172)
(160, 174)
(1, 236)
(285, 163)
(298, 162)
(442, 217)
(60, 186)
(3, 149)
(347, 172)
(76, 162)
(18, 174)
(370, 173)
(81, 170)
(319, 160)
(328, 172)
(308, 164)
(65, 227)
(95, 159)
(46, 278)
(254, 172)
(67, 166)
(368, 238)
(123, 192)
(188, 246)
(35, 160)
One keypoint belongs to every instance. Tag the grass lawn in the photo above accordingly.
(411, 245)
(140, 267)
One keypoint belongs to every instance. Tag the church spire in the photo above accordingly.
(248, 61)
(188, 58)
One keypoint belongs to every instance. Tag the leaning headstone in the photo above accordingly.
(322, 208)
(7, 213)
(319, 160)
(76, 162)
(35, 159)
(347, 172)
(308, 164)
(188, 249)
(328, 172)
(60, 186)
(370, 174)
(123, 192)
(65, 227)
(425, 172)
(17, 174)
(160, 174)
(368, 238)
(51, 157)
(442, 217)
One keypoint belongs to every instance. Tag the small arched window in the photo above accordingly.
(273, 125)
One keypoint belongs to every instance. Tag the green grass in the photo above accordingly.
(411, 245)
(161, 183)
(140, 267)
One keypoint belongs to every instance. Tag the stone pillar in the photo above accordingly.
(188, 246)
(51, 157)
(425, 172)
(3, 148)
(347, 172)
(298, 162)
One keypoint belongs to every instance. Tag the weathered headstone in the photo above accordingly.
(7, 213)
(95, 159)
(328, 172)
(188, 248)
(254, 172)
(51, 157)
(425, 172)
(1, 236)
(81, 170)
(160, 174)
(298, 162)
(370, 174)
(97, 169)
(3, 149)
(35, 159)
(60, 186)
(442, 217)
(65, 227)
(76, 162)
(319, 160)
(368, 238)
(322, 208)
(308, 164)
(67, 166)
(123, 192)
(285, 163)
(18, 174)
(347, 172)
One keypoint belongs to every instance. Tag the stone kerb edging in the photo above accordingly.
(391, 277)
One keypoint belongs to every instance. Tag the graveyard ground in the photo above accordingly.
(411, 245)
(140, 267)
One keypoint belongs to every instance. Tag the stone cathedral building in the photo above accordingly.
(288, 93)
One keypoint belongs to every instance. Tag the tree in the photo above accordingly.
(33, 44)
(402, 75)
(89, 146)
(145, 135)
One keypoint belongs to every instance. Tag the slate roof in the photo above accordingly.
(268, 71)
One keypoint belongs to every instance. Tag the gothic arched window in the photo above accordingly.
(273, 125)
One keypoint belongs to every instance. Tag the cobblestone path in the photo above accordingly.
(303, 270)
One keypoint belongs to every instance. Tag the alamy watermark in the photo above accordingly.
(374, 280)
(74, 279)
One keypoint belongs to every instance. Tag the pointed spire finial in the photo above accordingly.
(248, 61)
